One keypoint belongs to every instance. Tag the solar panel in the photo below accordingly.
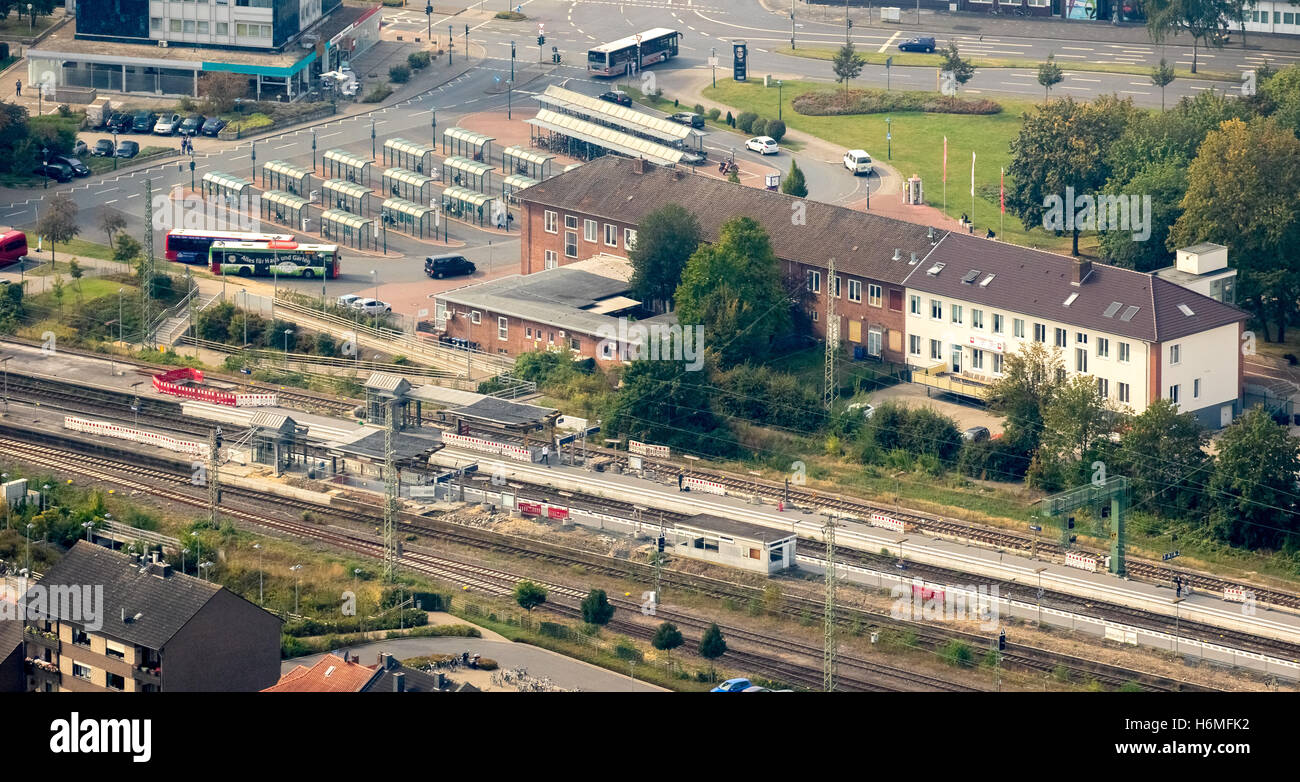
(1112, 309)
(1129, 313)
(971, 276)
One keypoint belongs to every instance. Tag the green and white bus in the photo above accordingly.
(274, 259)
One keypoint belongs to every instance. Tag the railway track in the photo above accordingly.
(492, 581)
(498, 584)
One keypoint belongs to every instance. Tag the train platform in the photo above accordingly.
(910, 546)
(102, 373)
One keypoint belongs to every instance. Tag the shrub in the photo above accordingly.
(746, 120)
(417, 60)
(377, 94)
(624, 649)
(776, 129)
(958, 654)
(399, 73)
(759, 128)
(713, 114)
(698, 108)
(830, 102)
(487, 664)
(730, 121)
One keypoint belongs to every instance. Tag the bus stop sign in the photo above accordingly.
(740, 60)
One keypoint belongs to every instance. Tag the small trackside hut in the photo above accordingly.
(732, 543)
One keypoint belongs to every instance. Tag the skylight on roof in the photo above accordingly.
(984, 283)
(1129, 313)
(935, 269)
(1186, 310)
(971, 276)
(1112, 309)
(1070, 299)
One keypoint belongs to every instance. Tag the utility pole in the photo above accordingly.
(214, 480)
(829, 642)
(659, 557)
(189, 309)
(832, 338)
(792, 24)
(391, 488)
(146, 269)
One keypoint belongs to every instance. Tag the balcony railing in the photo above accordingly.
(966, 384)
(43, 638)
(147, 674)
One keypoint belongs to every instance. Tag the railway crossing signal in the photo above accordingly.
(1002, 641)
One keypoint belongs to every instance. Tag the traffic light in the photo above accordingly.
(1002, 641)
(661, 544)
(1070, 523)
(541, 40)
(850, 21)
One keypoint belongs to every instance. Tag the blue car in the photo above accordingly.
(922, 44)
(733, 685)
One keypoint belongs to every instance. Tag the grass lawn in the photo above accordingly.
(666, 104)
(18, 24)
(81, 248)
(917, 149)
(934, 60)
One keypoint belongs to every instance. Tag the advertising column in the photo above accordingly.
(740, 60)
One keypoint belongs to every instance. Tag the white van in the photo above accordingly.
(858, 161)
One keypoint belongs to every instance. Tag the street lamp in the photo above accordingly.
(88, 526)
(45, 502)
(184, 551)
(45, 154)
(433, 120)
(114, 149)
(451, 44)
(203, 570)
(1177, 600)
(31, 19)
(510, 88)
(778, 99)
(119, 313)
(4, 362)
(296, 579)
(198, 544)
(287, 333)
(889, 137)
(254, 153)
(428, 12)
(1039, 572)
(258, 547)
(372, 138)
(313, 151)
(713, 65)
(29, 547)
(512, 61)
(356, 585)
(135, 403)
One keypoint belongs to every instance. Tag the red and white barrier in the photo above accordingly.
(106, 429)
(173, 382)
(542, 509)
(518, 453)
(1234, 594)
(888, 522)
(655, 451)
(699, 484)
(1082, 561)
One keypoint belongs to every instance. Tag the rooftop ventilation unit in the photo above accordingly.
(1112, 309)
(971, 276)
(934, 270)
(1070, 299)
(913, 261)
(930, 235)
(898, 254)
(984, 283)
(1129, 313)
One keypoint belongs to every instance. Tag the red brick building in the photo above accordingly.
(596, 209)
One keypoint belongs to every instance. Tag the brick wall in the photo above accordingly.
(522, 336)
(888, 317)
(536, 241)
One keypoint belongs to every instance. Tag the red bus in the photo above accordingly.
(192, 246)
(13, 247)
(619, 57)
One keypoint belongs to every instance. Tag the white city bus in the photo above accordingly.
(617, 57)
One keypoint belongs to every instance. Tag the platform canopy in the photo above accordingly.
(606, 138)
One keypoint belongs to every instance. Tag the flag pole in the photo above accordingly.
(972, 192)
(945, 176)
(1002, 198)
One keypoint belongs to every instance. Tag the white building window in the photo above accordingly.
(874, 295)
(1018, 328)
(1196, 388)
(1121, 390)
(1103, 388)
(936, 350)
(914, 305)
(977, 359)
(503, 328)
(176, 25)
(997, 363)
(155, 24)
(1103, 347)
(571, 244)
(552, 259)
(589, 230)
(611, 235)
(1080, 359)
(629, 238)
(914, 344)
(475, 317)
(835, 285)
(1173, 393)
(977, 319)
(571, 222)
(189, 26)
(1175, 354)
(1061, 338)
(998, 323)
(936, 309)
(855, 290)
(956, 313)
(814, 281)
(550, 223)
(203, 28)
(223, 28)
(1040, 332)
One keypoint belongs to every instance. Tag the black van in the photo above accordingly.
(440, 266)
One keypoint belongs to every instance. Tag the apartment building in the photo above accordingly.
(596, 208)
(973, 301)
(156, 631)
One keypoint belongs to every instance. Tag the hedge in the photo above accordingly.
(832, 102)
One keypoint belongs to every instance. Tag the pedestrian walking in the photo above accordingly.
(679, 481)
(546, 455)
(18, 85)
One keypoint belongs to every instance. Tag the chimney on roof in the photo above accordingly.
(159, 569)
(399, 682)
(383, 660)
(638, 166)
(1080, 270)
(913, 261)
(898, 254)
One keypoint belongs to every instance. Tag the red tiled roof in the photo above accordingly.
(329, 674)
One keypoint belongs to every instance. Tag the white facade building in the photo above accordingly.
(972, 301)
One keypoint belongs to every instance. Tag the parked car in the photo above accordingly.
(119, 122)
(191, 125)
(867, 410)
(128, 149)
(920, 44)
(733, 685)
(59, 172)
(617, 96)
(440, 266)
(212, 126)
(976, 434)
(167, 125)
(102, 148)
(688, 118)
(347, 299)
(78, 168)
(371, 306)
(756, 689)
(79, 149)
(858, 161)
(763, 145)
(143, 122)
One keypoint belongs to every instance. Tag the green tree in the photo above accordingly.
(56, 288)
(847, 64)
(126, 249)
(667, 638)
(663, 402)
(529, 595)
(58, 222)
(794, 183)
(1239, 169)
(596, 609)
(1030, 378)
(1280, 92)
(1077, 424)
(962, 70)
(733, 289)
(1252, 489)
(1162, 76)
(712, 644)
(1163, 455)
(733, 177)
(1206, 21)
(1166, 182)
(665, 240)
(1062, 144)
(110, 223)
(1049, 75)
(221, 89)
